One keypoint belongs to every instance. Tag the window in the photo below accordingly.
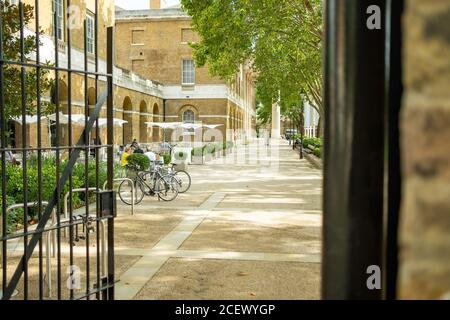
(14, 2)
(90, 35)
(188, 76)
(188, 116)
(58, 7)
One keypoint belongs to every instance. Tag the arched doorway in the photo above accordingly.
(143, 118)
(127, 136)
(156, 132)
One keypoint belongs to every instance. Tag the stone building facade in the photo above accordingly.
(136, 100)
(425, 216)
(154, 44)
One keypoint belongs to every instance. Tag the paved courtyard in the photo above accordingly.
(249, 228)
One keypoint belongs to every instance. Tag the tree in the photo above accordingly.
(12, 88)
(282, 39)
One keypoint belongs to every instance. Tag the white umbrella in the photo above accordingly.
(103, 122)
(64, 118)
(212, 126)
(28, 119)
(80, 119)
(191, 125)
(164, 125)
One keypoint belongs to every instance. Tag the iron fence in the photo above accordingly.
(78, 259)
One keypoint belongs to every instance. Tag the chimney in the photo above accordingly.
(155, 4)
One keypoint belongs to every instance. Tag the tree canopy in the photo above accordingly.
(12, 73)
(282, 39)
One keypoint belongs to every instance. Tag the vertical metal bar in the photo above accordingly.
(3, 256)
(97, 163)
(394, 91)
(70, 143)
(25, 147)
(58, 164)
(354, 148)
(110, 164)
(39, 141)
(86, 156)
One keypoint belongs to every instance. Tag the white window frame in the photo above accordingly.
(190, 131)
(90, 33)
(190, 120)
(187, 74)
(58, 5)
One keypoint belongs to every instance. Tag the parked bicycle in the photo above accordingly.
(148, 183)
(182, 177)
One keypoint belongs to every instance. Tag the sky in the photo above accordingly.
(140, 4)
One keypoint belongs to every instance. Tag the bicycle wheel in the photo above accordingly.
(125, 192)
(166, 188)
(184, 181)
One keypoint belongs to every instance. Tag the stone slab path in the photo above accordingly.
(250, 228)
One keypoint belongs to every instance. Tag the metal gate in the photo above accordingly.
(50, 256)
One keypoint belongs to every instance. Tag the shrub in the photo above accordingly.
(181, 156)
(138, 161)
(220, 146)
(197, 152)
(15, 217)
(317, 152)
(209, 149)
(167, 158)
(314, 142)
(15, 187)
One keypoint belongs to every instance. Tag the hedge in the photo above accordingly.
(211, 148)
(15, 187)
(139, 162)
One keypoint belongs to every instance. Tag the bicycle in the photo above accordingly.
(148, 183)
(183, 178)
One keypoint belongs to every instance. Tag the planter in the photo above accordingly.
(208, 157)
(180, 154)
(197, 160)
(181, 166)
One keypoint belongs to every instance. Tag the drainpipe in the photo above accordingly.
(164, 110)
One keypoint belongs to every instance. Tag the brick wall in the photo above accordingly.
(425, 215)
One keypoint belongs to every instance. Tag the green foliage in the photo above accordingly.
(167, 158)
(12, 52)
(317, 152)
(313, 142)
(197, 152)
(15, 186)
(14, 218)
(282, 39)
(138, 162)
(211, 148)
(181, 156)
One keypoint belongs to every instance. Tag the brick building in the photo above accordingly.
(155, 79)
(154, 44)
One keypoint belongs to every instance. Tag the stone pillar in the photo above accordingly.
(424, 257)
(276, 120)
